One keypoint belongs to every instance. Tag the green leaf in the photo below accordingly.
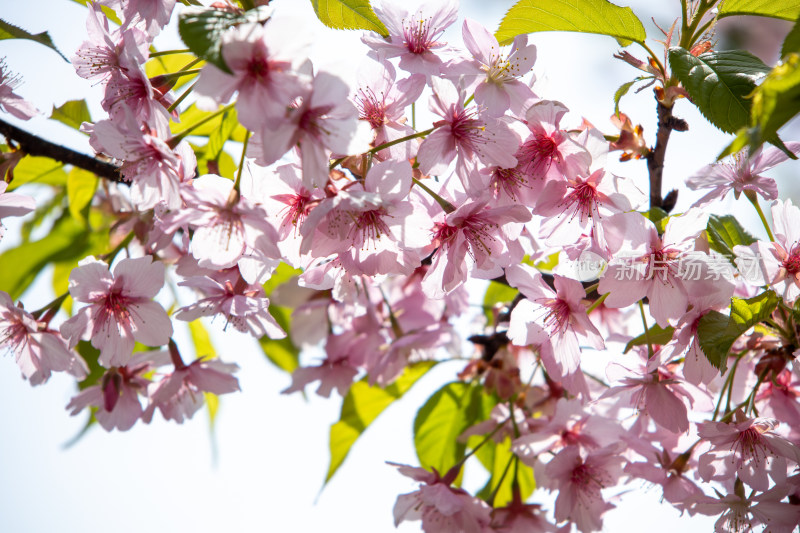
(348, 15)
(719, 83)
(779, 9)
(496, 293)
(21, 265)
(439, 423)
(656, 334)
(281, 275)
(167, 64)
(72, 113)
(281, 352)
(777, 99)
(657, 216)
(203, 347)
(217, 139)
(192, 115)
(9, 31)
(40, 170)
(792, 41)
(81, 185)
(622, 91)
(201, 30)
(718, 332)
(502, 462)
(585, 16)
(91, 355)
(725, 232)
(361, 407)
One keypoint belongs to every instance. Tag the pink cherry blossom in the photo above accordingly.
(499, 87)
(739, 514)
(414, 37)
(463, 135)
(325, 121)
(13, 205)
(228, 228)
(473, 237)
(243, 305)
(740, 175)
(548, 146)
(117, 396)
(11, 102)
(38, 350)
(666, 269)
(100, 56)
(749, 447)
(776, 264)
(155, 170)
(382, 103)
(555, 317)
(179, 395)
(264, 61)
(121, 311)
(148, 15)
(440, 506)
(571, 204)
(579, 480)
(378, 230)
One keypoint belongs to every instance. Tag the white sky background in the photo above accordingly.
(272, 450)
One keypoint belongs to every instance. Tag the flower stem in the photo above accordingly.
(400, 140)
(110, 256)
(238, 182)
(177, 138)
(181, 98)
(447, 206)
(646, 330)
(754, 201)
(169, 52)
(597, 303)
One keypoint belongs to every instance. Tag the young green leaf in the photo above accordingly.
(622, 91)
(81, 185)
(777, 100)
(21, 265)
(725, 232)
(496, 293)
(9, 31)
(439, 423)
(361, 407)
(281, 352)
(501, 475)
(39, 170)
(217, 139)
(585, 16)
(348, 15)
(201, 30)
(783, 9)
(656, 335)
(167, 64)
(792, 41)
(719, 83)
(718, 332)
(72, 113)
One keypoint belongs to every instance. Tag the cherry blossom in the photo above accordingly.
(120, 311)
(38, 350)
(13, 205)
(9, 101)
(499, 87)
(740, 175)
(414, 38)
(440, 506)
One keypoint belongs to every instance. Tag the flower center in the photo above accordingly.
(371, 108)
(417, 36)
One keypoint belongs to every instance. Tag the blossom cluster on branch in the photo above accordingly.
(373, 232)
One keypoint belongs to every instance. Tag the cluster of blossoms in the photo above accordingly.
(387, 247)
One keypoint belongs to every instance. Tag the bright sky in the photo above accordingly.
(271, 450)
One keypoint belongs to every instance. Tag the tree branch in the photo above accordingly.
(655, 159)
(33, 145)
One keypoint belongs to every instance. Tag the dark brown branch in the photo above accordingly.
(655, 159)
(33, 145)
